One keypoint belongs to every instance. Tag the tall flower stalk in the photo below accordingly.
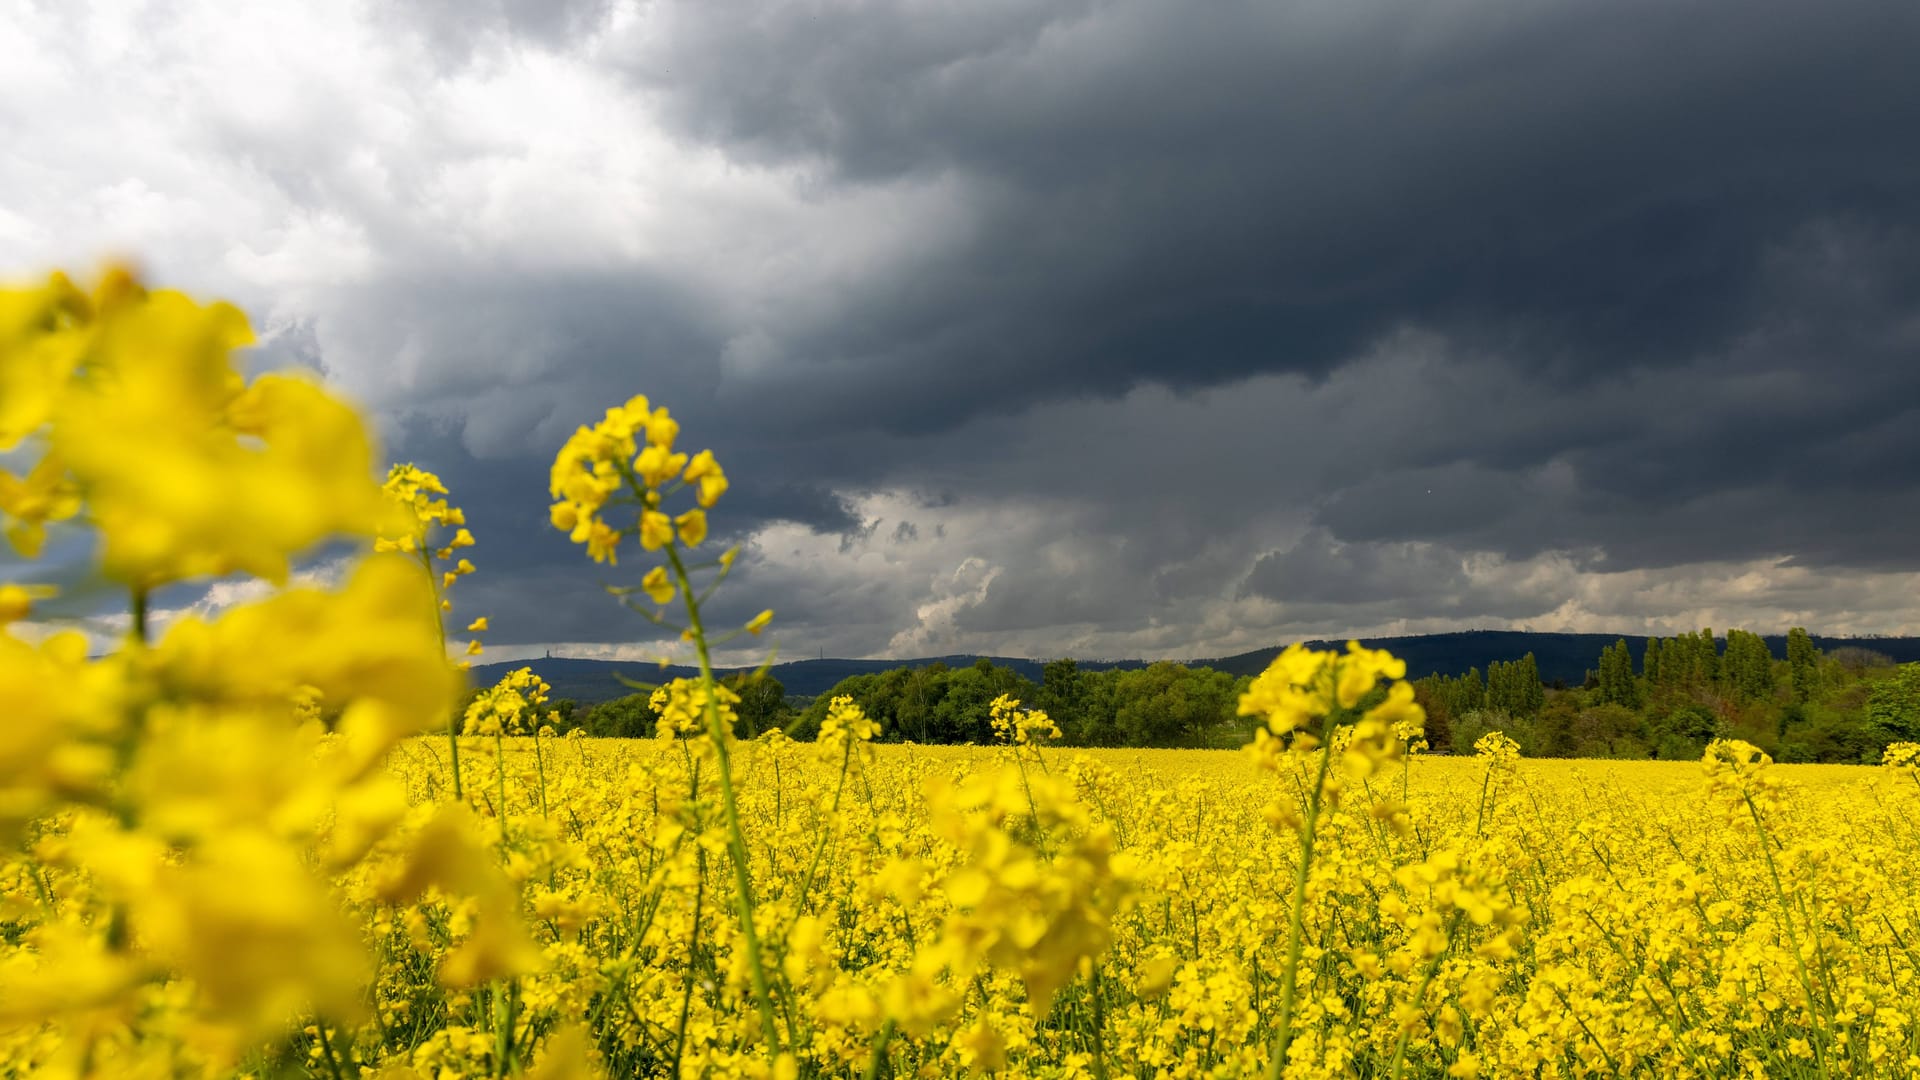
(1309, 700)
(418, 514)
(628, 459)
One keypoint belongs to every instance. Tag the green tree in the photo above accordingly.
(1708, 657)
(1167, 704)
(1676, 660)
(1552, 730)
(1061, 692)
(1616, 682)
(1099, 709)
(763, 703)
(566, 715)
(629, 717)
(1513, 687)
(1469, 692)
(1430, 694)
(1683, 734)
(920, 691)
(963, 714)
(1803, 664)
(1893, 705)
(1609, 730)
(1747, 668)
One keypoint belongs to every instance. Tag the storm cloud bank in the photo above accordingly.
(1083, 328)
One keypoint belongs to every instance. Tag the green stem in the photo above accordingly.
(1099, 1026)
(440, 628)
(1289, 976)
(833, 815)
(736, 840)
(693, 949)
(1793, 936)
(1486, 782)
(880, 1042)
(326, 1048)
(500, 775)
(139, 625)
(540, 767)
(1419, 997)
(503, 1032)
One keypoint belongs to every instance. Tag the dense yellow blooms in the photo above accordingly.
(234, 847)
(144, 426)
(180, 807)
(509, 707)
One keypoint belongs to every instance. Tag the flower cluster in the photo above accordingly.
(183, 799)
(682, 706)
(1302, 685)
(1902, 757)
(227, 475)
(846, 726)
(1738, 772)
(418, 515)
(1306, 697)
(508, 707)
(1022, 727)
(607, 464)
(1039, 884)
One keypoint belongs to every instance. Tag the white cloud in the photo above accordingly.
(301, 158)
(857, 232)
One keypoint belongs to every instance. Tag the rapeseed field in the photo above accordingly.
(269, 843)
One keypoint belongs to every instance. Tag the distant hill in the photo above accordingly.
(588, 681)
(1560, 656)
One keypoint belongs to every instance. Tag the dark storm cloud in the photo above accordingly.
(1121, 327)
(1192, 198)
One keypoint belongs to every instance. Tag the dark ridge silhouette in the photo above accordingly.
(1566, 657)
(589, 681)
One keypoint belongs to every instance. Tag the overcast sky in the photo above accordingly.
(1067, 328)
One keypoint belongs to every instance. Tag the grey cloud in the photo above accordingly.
(455, 31)
(1182, 331)
(1322, 570)
(1192, 199)
(1320, 577)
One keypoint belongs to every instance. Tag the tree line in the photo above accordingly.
(1681, 692)
(1164, 704)
(1805, 706)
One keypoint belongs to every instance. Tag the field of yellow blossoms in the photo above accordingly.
(273, 843)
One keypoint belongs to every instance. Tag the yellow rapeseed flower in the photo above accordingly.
(656, 530)
(658, 585)
(692, 527)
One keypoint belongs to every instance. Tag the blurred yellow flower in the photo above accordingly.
(657, 585)
(692, 526)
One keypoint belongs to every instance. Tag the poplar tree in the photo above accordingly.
(1749, 665)
(1500, 687)
(1616, 676)
(1803, 664)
